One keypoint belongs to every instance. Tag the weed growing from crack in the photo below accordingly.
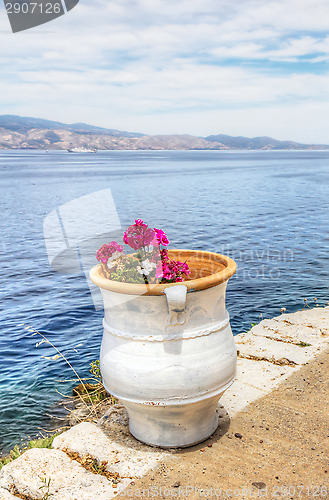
(46, 485)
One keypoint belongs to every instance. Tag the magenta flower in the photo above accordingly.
(185, 269)
(138, 235)
(159, 270)
(173, 271)
(107, 251)
(182, 268)
(161, 237)
(154, 264)
(167, 271)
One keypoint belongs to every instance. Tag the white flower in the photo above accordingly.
(147, 267)
(113, 260)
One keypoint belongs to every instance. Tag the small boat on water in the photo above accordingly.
(82, 150)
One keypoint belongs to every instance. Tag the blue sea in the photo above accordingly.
(267, 210)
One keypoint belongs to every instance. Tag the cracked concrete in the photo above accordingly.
(124, 454)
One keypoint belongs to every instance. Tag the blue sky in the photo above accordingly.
(186, 66)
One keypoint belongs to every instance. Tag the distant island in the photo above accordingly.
(18, 132)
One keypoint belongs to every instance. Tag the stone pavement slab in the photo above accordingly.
(68, 479)
(130, 459)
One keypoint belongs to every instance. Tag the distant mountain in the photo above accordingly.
(24, 124)
(18, 132)
(259, 143)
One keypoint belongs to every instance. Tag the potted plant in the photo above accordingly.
(168, 352)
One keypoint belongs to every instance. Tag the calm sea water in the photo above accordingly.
(267, 210)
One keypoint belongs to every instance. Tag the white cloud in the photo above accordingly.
(158, 65)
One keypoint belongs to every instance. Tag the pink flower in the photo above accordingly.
(153, 262)
(107, 251)
(161, 237)
(185, 269)
(159, 270)
(138, 235)
(168, 270)
(182, 268)
(173, 271)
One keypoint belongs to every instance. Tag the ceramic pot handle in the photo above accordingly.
(176, 299)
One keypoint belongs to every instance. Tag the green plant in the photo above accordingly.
(44, 442)
(126, 271)
(15, 453)
(99, 468)
(95, 369)
(4, 461)
(252, 325)
(94, 392)
(303, 344)
(46, 485)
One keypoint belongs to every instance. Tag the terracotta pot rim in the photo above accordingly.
(158, 289)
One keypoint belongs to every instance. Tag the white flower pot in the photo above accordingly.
(168, 352)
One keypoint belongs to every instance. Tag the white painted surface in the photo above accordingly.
(168, 359)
